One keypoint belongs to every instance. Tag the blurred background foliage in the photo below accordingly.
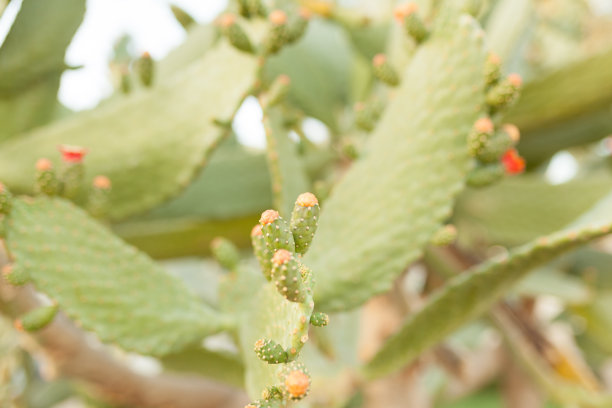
(563, 50)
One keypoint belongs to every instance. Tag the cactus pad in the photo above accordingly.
(468, 295)
(150, 143)
(103, 284)
(387, 207)
(285, 323)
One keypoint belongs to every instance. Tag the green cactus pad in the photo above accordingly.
(103, 284)
(145, 68)
(468, 295)
(285, 166)
(378, 217)
(151, 143)
(32, 62)
(236, 34)
(272, 317)
(304, 221)
(38, 318)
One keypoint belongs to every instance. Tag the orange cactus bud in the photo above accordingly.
(484, 125)
(102, 182)
(307, 200)
(44, 165)
(281, 256)
(268, 217)
(278, 17)
(297, 383)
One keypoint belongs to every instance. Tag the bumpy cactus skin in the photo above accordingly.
(276, 232)
(81, 265)
(287, 276)
(304, 221)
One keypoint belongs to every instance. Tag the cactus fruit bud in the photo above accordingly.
(287, 276)
(15, 276)
(6, 200)
(513, 132)
(367, 114)
(276, 232)
(263, 254)
(319, 319)
(278, 17)
(183, 18)
(492, 69)
(304, 221)
(298, 25)
(225, 252)
(99, 197)
(446, 235)
(407, 15)
(277, 92)
(279, 32)
(505, 93)
(145, 67)
(270, 351)
(38, 318)
(502, 140)
(484, 175)
(46, 179)
(235, 33)
(480, 134)
(384, 71)
(513, 163)
(71, 176)
(252, 8)
(296, 380)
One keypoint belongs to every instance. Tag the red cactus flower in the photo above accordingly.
(72, 154)
(513, 163)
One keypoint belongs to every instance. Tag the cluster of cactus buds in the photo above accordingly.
(407, 15)
(491, 144)
(284, 28)
(384, 71)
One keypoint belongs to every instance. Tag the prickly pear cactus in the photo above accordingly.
(105, 285)
(391, 202)
(151, 143)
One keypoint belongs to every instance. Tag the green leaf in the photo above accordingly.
(468, 295)
(284, 164)
(149, 144)
(387, 206)
(32, 61)
(270, 316)
(103, 284)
